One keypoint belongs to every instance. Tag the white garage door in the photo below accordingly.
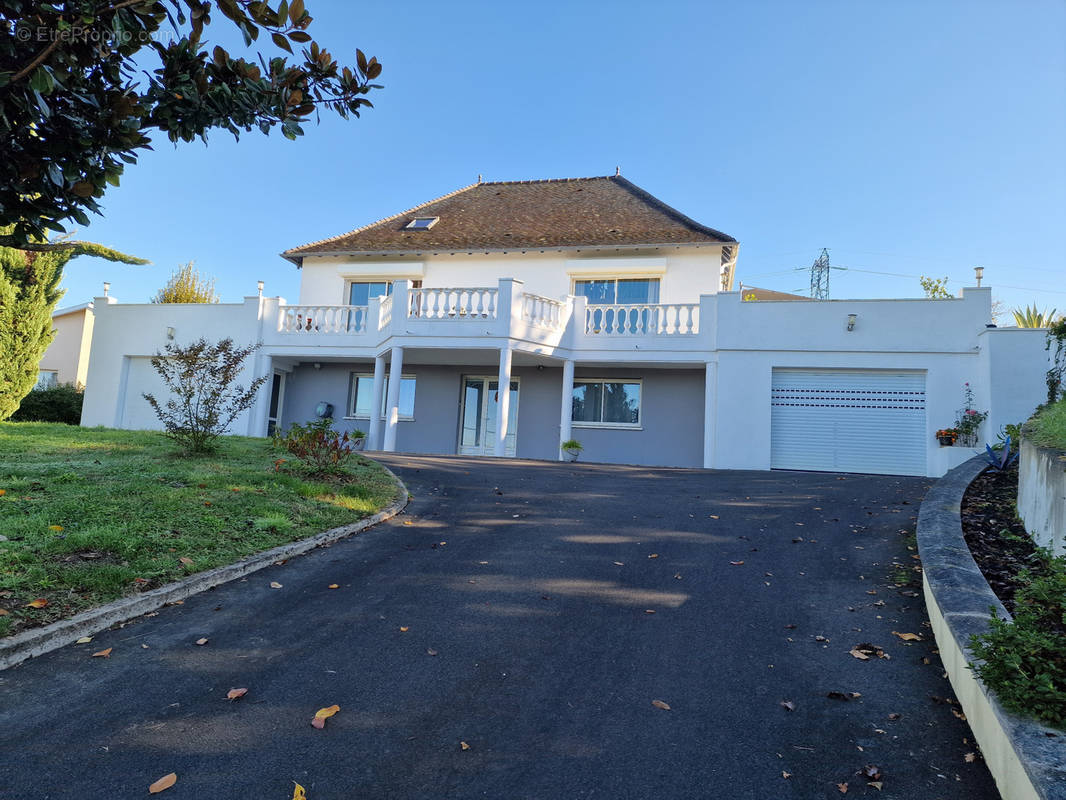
(848, 421)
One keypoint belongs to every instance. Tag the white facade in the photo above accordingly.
(700, 364)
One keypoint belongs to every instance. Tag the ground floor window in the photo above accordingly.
(47, 379)
(361, 395)
(606, 403)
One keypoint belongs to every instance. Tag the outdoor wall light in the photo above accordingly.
(170, 334)
(259, 286)
(851, 321)
(980, 273)
(316, 365)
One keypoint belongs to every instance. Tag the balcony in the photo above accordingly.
(502, 311)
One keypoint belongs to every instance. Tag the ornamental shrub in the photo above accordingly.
(318, 446)
(1024, 662)
(204, 397)
(55, 404)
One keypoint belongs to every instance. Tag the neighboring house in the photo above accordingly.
(749, 293)
(67, 358)
(609, 317)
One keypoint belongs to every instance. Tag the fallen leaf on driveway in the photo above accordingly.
(431, 651)
(654, 555)
(103, 653)
(464, 746)
(233, 694)
(872, 773)
(163, 783)
(908, 637)
(202, 641)
(876, 784)
(786, 774)
(865, 650)
(298, 793)
(969, 758)
(404, 629)
(619, 564)
(275, 585)
(788, 705)
(842, 787)
(714, 516)
(660, 704)
(894, 716)
(322, 715)
(649, 610)
(334, 586)
(84, 640)
(40, 602)
(736, 563)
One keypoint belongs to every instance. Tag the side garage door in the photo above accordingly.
(848, 421)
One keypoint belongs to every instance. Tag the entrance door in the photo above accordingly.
(478, 415)
(277, 391)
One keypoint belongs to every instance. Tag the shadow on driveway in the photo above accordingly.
(532, 611)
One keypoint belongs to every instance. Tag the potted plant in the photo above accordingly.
(947, 436)
(358, 439)
(572, 447)
(969, 421)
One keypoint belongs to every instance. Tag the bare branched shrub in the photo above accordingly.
(204, 396)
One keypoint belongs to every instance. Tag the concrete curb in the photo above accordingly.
(1027, 759)
(38, 641)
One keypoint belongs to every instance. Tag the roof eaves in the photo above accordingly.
(651, 199)
(515, 249)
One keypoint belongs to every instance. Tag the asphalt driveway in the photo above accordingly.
(506, 638)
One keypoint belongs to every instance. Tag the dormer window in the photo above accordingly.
(421, 223)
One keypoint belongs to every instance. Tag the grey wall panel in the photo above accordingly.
(671, 413)
(671, 409)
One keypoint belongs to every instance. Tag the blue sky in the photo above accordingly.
(907, 137)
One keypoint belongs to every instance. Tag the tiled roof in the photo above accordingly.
(526, 215)
(768, 294)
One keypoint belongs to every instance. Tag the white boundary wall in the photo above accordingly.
(741, 342)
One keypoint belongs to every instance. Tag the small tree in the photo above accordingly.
(935, 288)
(187, 285)
(204, 397)
(29, 291)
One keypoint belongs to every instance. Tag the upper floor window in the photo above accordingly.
(360, 292)
(623, 291)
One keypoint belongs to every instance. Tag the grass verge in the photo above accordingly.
(1048, 427)
(92, 514)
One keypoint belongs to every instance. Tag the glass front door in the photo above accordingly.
(480, 401)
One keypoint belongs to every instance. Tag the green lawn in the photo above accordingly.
(1048, 428)
(92, 514)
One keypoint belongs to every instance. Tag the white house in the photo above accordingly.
(610, 317)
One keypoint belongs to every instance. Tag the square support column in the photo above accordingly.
(710, 401)
(392, 411)
(566, 407)
(503, 404)
(374, 434)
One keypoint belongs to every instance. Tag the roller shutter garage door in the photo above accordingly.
(848, 421)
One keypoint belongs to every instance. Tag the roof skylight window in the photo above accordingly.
(421, 223)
